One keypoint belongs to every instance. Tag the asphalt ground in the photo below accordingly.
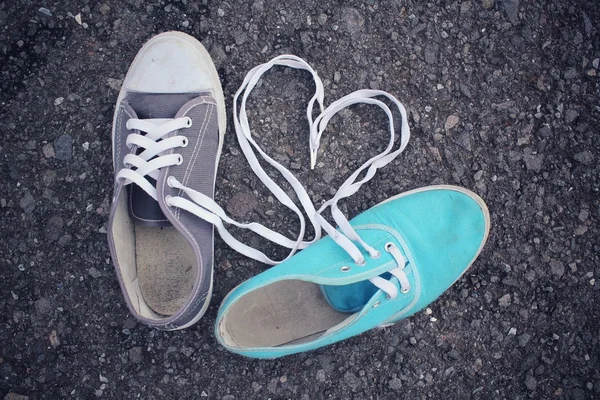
(503, 99)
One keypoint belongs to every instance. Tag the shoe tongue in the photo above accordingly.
(142, 207)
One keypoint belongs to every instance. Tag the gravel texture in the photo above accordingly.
(503, 98)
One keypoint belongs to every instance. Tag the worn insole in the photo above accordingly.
(281, 313)
(166, 267)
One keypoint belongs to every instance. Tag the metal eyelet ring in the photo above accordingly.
(185, 142)
(404, 290)
(171, 181)
(188, 122)
(388, 246)
(179, 159)
(376, 256)
(377, 303)
(345, 268)
(168, 200)
(362, 263)
(388, 297)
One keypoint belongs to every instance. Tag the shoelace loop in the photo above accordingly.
(385, 285)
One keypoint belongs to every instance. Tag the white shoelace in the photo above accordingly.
(153, 146)
(388, 287)
(206, 208)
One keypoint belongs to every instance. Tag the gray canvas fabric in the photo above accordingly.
(142, 207)
(197, 172)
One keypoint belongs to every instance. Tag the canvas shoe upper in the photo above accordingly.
(169, 122)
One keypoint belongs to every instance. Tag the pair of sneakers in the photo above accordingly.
(382, 266)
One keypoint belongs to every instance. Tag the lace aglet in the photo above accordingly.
(313, 159)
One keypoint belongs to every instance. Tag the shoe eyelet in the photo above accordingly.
(345, 268)
(185, 142)
(361, 263)
(388, 246)
(171, 181)
(376, 256)
(388, 297)
(376, 304)
(179, 159)
(168, 200)
(404, 290)
(188, 122)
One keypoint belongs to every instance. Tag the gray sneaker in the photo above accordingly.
(169, 122)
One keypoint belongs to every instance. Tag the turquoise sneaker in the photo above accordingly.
(422, 241)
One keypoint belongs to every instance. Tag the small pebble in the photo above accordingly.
(94, 273)
(337, 76)
(487, 4)
(136, 355)
(451, 122)
(63, 147)
(27, 203)
(352, 20)
(48, 150)
(524, 339)
(557, 268)
(320, 375)
(504, 301)
(104, 9)
(322, 19)
(585, 157)
(45, 11)
(395, 384)
(54, 339)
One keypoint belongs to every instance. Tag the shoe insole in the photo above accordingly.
(166, 267)
(286, 312)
